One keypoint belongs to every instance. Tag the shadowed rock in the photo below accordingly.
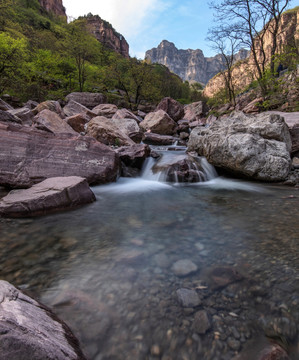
(54, 194)
(173, 108)
(157, 139)
(29, 156)
(29, 330)
(49, 105)
(5, 116)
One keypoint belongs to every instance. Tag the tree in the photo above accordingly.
(226, 42)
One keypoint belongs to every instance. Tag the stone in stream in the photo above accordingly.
(54, 194)
(184, 267)
(188, 298)
(29, 330)
(29, 156)
(135, 155)
(220, 276)
(254, 146)
(201, 323)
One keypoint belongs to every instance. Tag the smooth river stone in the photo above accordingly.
(184, 267)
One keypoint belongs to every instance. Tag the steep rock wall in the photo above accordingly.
(245, 72)
(189, 64)
(53, 6)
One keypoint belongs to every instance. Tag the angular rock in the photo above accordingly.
(156, 139)
(107, 110)
(87, 99)
(26, 115)
(29, 330)
(50, 121)
(159, 122)
(135, 155)
(254, 106)
(188, 298)
(183, 126)
(29, 156)
(73, 108)
(78, 122)
(49, 105)
(125, 114)
(5, 106)
(255, 146)
(5, 116)
(50, 195)
(184, 267)
(137, 137)
(106, 132)
(195, 111)
(201, 323)
(126, 125)
(30, 104)
(173, 108)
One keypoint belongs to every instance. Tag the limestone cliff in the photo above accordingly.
(244, 72)
(189, 64)
(106, 35)
(53, 6)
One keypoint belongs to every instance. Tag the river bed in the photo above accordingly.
(108, 269)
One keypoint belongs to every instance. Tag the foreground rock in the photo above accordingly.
(29, 156)
(173, 108)
(252, 146)
(50, 121)
(78, 122)
(90, 100)
(106, 132)
(54, 194)
(29, 330)
(159, 122)
(188, 297)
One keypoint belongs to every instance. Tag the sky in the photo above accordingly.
(145, 23)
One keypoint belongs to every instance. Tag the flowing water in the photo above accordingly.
(109, 269)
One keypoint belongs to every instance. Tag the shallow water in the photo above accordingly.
(107, 268)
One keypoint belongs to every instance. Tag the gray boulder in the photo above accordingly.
(195, 111)
(29, 330)
(25, 114)
(5, 116)
(107, 110)
(5, 106)
(159, 122)
(90, 100)
(53, 194)
(173, 108)
(49, 105)
(125, 114)
(50, 121)
(73, 108)
(254, 146)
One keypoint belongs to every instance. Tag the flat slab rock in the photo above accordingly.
(29, 156)
(28, 330)
(50, 195)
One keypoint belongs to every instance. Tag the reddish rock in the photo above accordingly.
(87, 99)
(106, 132)
(159, 122)
(173, 108)
(78, 122)
(50, 195)
(125, 114)
(195, 111)
(49, 105)
(49, 121)
(29, 330)
(156, 139)
(135, 155)
(107, 110)
(273, 352)
(53, 6)
(73, 108)
(29, 156)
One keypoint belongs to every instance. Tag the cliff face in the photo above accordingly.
(53, 6)
(245, 72)
(106, 35)
(189, 64)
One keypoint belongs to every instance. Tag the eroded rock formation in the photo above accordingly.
(53, 6)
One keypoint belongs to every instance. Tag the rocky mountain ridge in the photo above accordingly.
(53, 6)
(190, 65)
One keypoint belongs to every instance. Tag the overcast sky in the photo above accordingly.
(145, 23)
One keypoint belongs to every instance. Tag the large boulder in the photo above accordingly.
(195, 111)
(106, 132)
(49, 121)
(173, 108)
(78, 122)
(127, 126)
(49, 105)
(53, 194)
(29, 156)
(125, 114)
(90, 100)
(5, 116)
(156, 139)
(159, 122)
(29, 330)
(73, 108)
(254, 146)
(25, 114)
(135, 155)
(107, 110)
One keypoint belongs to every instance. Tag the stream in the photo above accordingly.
(112, 270)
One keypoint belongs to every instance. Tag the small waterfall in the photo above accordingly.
(178, 167)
